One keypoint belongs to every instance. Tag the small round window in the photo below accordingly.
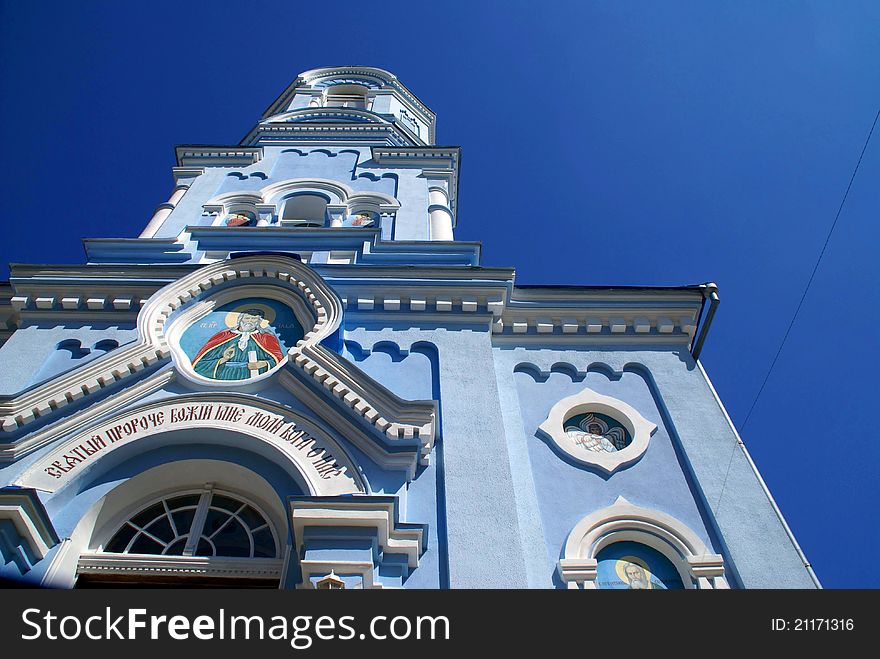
(597, 432)
(196, 525)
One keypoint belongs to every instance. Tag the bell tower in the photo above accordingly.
(341, 167)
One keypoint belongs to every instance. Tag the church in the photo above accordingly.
(296, 377)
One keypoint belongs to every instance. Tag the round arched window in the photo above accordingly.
(206, 524)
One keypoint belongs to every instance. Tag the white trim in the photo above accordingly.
(361, 512)
(97, 563)
(20, 510)
(625, 522)
(639, 428)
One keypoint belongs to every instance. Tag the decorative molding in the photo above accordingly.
(638, 427)
(198, 156)
(385, 134)
(11, 451)
(622, 522)
(378, 513)
(36, 534)
(389, 415)
(105, 564)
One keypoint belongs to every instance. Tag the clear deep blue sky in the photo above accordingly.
(603, 143)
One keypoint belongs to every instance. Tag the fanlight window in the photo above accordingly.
(208, 524)
(597, 432)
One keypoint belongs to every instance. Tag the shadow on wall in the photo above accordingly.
(69, 354)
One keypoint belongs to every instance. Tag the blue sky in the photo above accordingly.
(603, 143)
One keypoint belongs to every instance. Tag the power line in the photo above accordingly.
(812, 274)
(800, 304)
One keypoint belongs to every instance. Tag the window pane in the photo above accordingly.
(252, 518)
(146, 516)
(146, 545)
(219, 501)
(214, 521)
(177, 547)
(120, 541)
(183, 520)
(204, 548)
(233, 540)
(264, 544)
(186, 500)
(161, 528)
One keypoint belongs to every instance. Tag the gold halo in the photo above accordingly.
(621, 563)
(231, 319)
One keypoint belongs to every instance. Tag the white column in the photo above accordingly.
(441, 225)
(163, 211)
(441, 217)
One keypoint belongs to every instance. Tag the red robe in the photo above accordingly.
(266, 340)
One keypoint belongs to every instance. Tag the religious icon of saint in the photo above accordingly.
(243, 351)
(636, 575)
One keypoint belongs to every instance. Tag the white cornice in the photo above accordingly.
(384, 76)
(194, 155)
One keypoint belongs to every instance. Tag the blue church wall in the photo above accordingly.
(482, 525)
(350, 167)
(567, 493)
(335, 165)
(407, 374)
(188, 211)
(15, 567)
(758, 548)
(36, 352)
(412, 193)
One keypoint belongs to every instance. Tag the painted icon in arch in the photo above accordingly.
(241, 219)
(634, 566)
(241, 340)
(361, 220)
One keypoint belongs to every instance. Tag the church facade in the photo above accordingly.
(296, 377)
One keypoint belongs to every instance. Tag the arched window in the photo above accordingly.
(628, 547)
(305, 210)
(347, 96)
(210, 537)
(210, 524)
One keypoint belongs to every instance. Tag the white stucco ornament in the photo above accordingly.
(594, 444)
